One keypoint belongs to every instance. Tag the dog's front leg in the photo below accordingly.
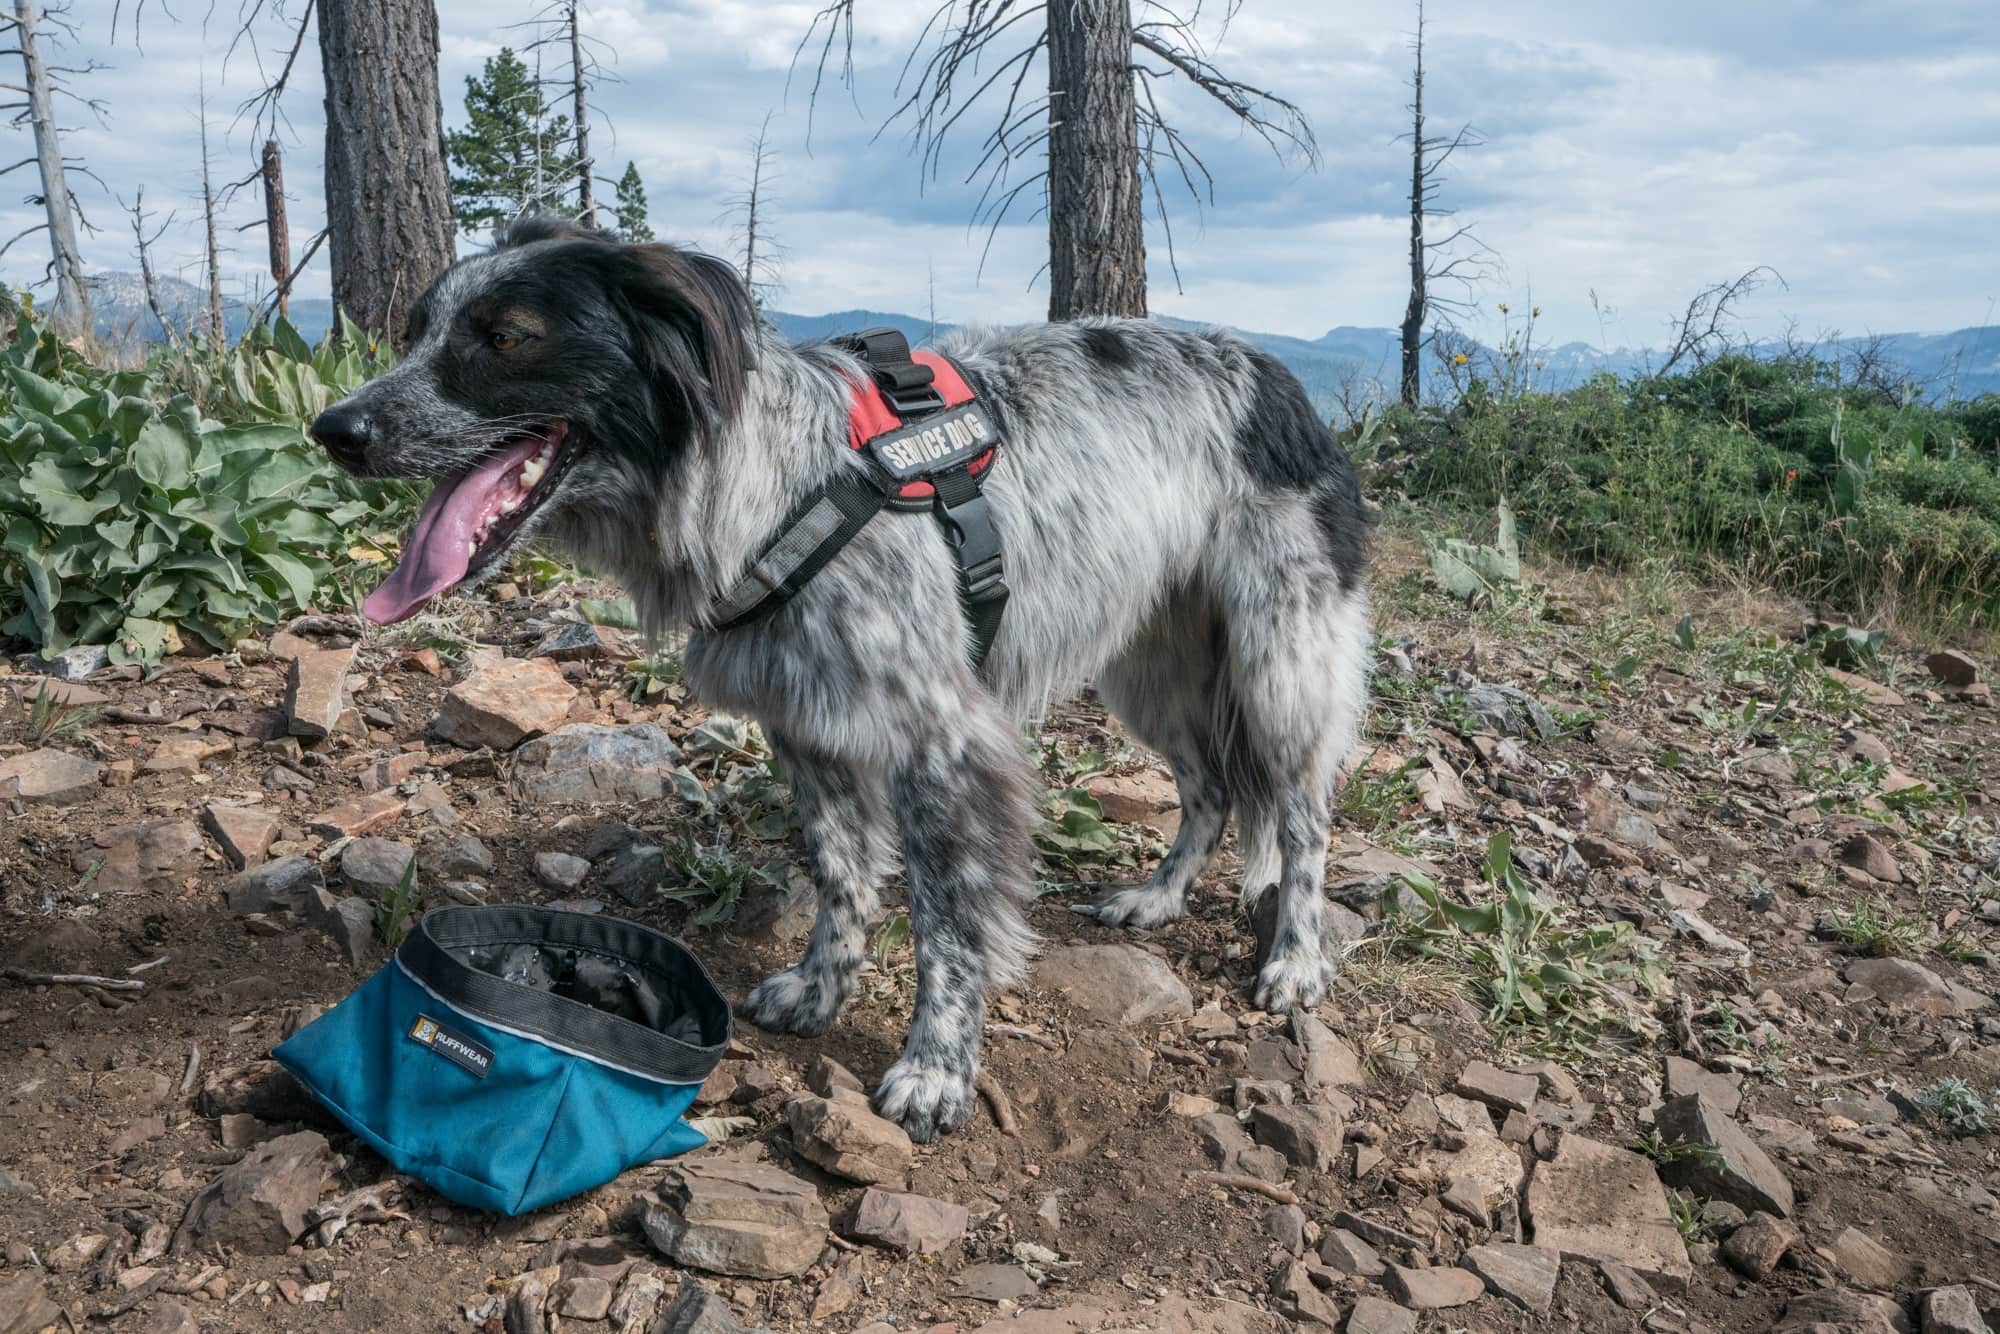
(849, 843)
(961, 805)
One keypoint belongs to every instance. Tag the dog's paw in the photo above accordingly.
(926, 1099)
(793, 1001)
(1139, 907)
(1295, 982)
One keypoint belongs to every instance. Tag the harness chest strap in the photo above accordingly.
(927, 441)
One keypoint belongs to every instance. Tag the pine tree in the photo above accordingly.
(513, 157)
(632, 206)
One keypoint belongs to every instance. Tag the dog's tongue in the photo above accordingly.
(438, 551)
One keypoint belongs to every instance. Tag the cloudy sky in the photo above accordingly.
(1635, 152)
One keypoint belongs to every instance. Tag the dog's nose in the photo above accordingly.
(342, 431)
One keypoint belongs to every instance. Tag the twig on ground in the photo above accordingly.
(27, 978)
(193, 1070)
(996, 1097)
(1025, 1034)
(1231, 1181)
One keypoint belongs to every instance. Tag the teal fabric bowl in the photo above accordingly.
(510, 1057)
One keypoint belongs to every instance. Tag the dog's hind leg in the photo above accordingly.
(961, 800)
(849, 842)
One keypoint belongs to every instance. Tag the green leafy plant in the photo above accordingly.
(397, 906)
(1873, 927)
(1075, 834)
(1466, 569)
(1959, 1107)
(49, 719)
(1561, 985)
(713, 879)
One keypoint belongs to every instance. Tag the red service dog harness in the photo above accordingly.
(927, 442)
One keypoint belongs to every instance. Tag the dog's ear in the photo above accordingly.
(692, 323)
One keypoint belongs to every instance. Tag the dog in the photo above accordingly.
(1178, 527)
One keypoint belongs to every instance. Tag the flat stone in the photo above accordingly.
(397, 768)
(258, 1204)
(134, 857)
(363, 815)
(1721, 1162)
(1230, 1146)
(911, 1224)
(72, 664)
(1754, 1249)
(1838, 1311)
(281, 885)
(844, 1136)
(1372, 1315)
(1464, 1115)
(696, 1310)
(1330, 1060)
(1481, 1174)
(25, 1307)
(1309, 1136)
(1901, 984)
(1433, 1289)
(55, 777)
(1595, 1202)
(1952, 668)
(994, 1283)
(1340, 1249)
(1951, 1311)
(560, 870)
(1115, 984)
(1864, 852)
(455, 858)
(1867, 1262)
(171, 1318)
(746, 1219)
(593, 762)
(183, 754)
(315, 691)
(505, 704)
(1724, 1092)
(581, 642)
(1377, 1233)
(244, 833)
(1133, 798)
(1297, 1298)
(1497, 1088)
(1873, 691)
(1524, 1275)
(1625, 1287)
(375, 866)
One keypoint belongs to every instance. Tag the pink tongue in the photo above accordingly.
(437, 554)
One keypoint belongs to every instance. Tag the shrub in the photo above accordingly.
(128, 517)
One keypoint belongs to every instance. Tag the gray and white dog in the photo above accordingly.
(1178, 526)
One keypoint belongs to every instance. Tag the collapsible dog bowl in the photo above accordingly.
(511, 1056)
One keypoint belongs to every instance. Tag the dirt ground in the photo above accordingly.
(1700, 794)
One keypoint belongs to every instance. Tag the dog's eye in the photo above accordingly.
(505, 342)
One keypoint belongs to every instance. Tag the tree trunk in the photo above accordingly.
(218, 332)
(1413, 314)
(586, 207)
(1097, 236)
(72, 308)
(275, 228)
(388, 197)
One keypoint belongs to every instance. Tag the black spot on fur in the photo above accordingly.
(1106, 346)
(1283, 443)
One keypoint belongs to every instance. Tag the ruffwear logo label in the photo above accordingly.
(466, 1053)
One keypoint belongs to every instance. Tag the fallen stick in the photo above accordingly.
(27, 978)
(1845, 1077)
(134, 1297)
(192, 1071)
(1026, 1035)
(1231, 1181)
(996, 1097)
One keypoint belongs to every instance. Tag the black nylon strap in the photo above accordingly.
(967, 519)
(807, 542)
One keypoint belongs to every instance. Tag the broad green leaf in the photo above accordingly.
(163, 457)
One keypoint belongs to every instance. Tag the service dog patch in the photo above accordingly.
(937, 444)
(469, 1055)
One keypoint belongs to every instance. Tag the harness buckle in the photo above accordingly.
(975, 543)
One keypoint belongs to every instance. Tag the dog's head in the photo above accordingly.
(561, 371)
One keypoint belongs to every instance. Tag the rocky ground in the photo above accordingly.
(1681, 1016)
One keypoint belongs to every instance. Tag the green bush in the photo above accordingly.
(130, 518)
(1771, 468)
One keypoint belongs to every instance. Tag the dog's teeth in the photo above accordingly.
(509, 505)
(472, 548)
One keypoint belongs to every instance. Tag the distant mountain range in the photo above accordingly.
(1344, 367)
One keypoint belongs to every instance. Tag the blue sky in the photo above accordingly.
(1636, 151)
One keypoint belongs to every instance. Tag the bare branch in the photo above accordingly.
(1702, 328)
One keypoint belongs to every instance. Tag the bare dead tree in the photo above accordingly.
(1095, 142)
(1442, 282)
(284, 287)
(586, 207)
(750, 212)
(276, 231)
(217, 332)
(42, 83)
(561, 25)
(1705, 327)
(144, 247)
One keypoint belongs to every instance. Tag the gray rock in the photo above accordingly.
(1841, 1311)
(282, 885)
(994, 1283)
(1308, 1136)
(1115, 984)
(1867, 1262)
(843, 1135)
(1901, 984)
(1524, 1275)
(696, 1310)
(374, 866)
(1595, 1202)
(1286, 1225)
(911, 1224)
(1378, 1233)
(1951, 1311)
(258, 1204)
(454, 858)
(25, 1306)
(1342, 1250)
(1433, 1289)
(1372, 1315)
(1497, 1088)
(72, 664)
(580, 642)
(349, 922)
(1330, 1060)
(52, 776)
(634, 871)
(729, 1217)
(1684, 1077)
(1754, 1249)
(1718, 1160)
(594, 762)
(560, 870)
